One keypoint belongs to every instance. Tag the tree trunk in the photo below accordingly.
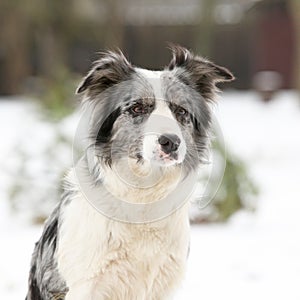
(15, 66)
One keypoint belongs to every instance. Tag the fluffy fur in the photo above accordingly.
(83, 254)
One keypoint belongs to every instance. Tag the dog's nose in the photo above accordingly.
(169, 142)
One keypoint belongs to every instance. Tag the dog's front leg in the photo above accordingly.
(167, 279)
(119, 281)
(95, 290)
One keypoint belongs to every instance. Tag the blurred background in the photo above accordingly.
(245, 243)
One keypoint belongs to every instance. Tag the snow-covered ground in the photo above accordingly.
(253, 256)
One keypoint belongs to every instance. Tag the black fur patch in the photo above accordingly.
(104, 134)
(50, 235)
(44, 276)
(33, 291)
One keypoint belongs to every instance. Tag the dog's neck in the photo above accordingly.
(121, 201)
(140, 182)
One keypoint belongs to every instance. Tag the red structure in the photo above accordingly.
(275, 43)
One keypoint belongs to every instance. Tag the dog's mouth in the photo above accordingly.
(160, 158)
(164, 159)
(167, 156)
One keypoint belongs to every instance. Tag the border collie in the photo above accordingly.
(121, 229)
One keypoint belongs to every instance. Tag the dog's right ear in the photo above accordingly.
(198, 71)
(110, 69)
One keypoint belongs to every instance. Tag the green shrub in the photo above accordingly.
(236, 191)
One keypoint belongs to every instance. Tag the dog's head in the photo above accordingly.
(159, 119)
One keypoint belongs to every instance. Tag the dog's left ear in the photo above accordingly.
(110, 69)
(197, 71)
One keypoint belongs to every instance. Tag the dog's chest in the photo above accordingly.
(91, 245)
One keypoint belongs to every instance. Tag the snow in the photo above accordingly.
(253, 256)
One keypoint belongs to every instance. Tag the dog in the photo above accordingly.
(121, 229)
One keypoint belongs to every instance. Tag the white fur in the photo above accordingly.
(142, 183)
(154, 78)
(98, 256)
(161, 122)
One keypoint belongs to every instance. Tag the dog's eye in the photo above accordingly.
(181, 111)
(138, 109)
